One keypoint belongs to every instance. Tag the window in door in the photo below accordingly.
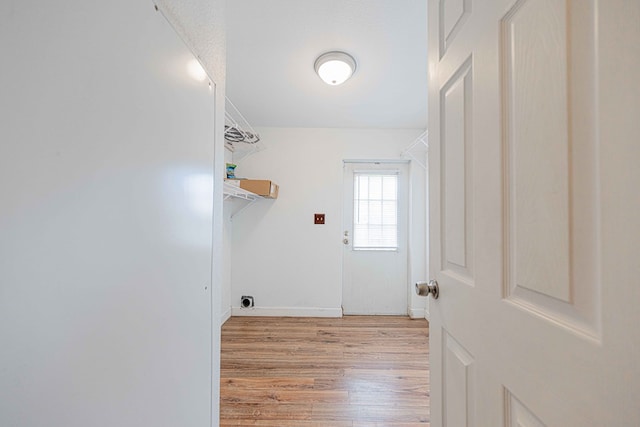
(375, 211)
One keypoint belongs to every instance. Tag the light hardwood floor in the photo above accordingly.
(355, 371)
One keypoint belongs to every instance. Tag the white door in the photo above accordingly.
(375, 238)
(534, 210)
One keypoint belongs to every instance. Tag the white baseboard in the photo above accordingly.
(414, 313)
(417, 313)
(225, 316)
(287, 312)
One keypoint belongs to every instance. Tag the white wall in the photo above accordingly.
(201, 23)
(106, 170)
(290, 265)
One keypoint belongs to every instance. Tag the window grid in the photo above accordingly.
(375, 208)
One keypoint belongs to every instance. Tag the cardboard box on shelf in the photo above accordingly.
(262, 187)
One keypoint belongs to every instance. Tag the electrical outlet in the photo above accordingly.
(318, 218)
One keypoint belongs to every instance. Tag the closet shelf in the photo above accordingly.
(239, 137)
(233, 192)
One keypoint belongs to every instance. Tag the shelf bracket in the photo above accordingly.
(422, 139)
(232, 192)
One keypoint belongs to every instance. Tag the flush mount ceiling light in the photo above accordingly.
(335, 67)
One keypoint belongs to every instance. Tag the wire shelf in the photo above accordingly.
(233, 192)
(239, 136)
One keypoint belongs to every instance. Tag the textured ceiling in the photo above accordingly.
(272, 46)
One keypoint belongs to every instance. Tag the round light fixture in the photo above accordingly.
(335, 67)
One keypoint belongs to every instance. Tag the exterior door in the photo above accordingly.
(534, 212)
(375, 238)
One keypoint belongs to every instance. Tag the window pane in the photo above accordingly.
(375, 207)
(389, 213)
(390, 187)
(375, 187)
(362, 187)
(362, 217)
(375, 212)
(375, 236)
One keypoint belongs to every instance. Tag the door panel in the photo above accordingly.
(458, 379)
(530, 328)
(519, 415)
(551, 176)
(536, 112)
(453, 14)
(457, 188)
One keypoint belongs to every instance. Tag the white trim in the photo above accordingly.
(225, 316)
(287, 312)
(376, 161)
(393, 172)
(417, 313)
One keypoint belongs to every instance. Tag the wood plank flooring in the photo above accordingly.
(355, 371)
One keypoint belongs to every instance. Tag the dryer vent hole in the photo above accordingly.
(246, 301)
